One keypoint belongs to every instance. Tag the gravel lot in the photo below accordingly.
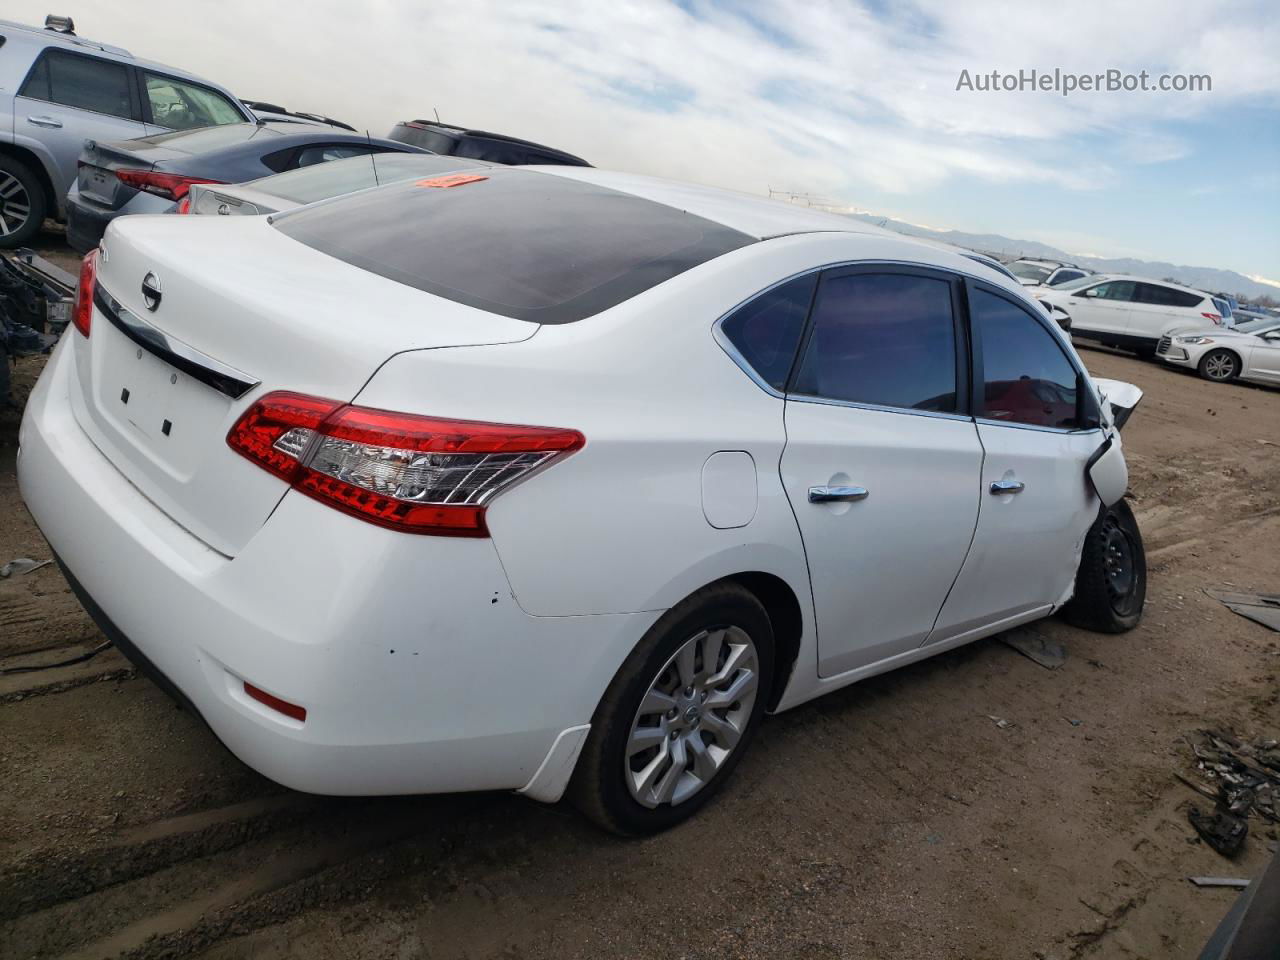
(893, 819)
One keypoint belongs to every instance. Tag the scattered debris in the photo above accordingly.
(69, 662)
(1243, 781)
(1050, 654)
(1001, 722)
(1074, 723)
(1238, 882)
(21, 565)
(1263, 608)
(1222, 830)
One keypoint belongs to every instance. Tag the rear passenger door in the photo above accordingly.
(1038, 430)
(1159, 309)
(882, 459)
(67, 98)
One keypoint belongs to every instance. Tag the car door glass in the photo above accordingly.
(766, 331)
(1027, 377)
(1122, 290)
(186, 106)
(882, 339)
(1063, 276)
(86, 83)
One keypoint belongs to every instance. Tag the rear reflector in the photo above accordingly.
(82, 313)
(410, 473)
(275, 703)
(173, 186)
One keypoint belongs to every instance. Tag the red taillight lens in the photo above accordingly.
(1214, 317)
(171, 185)
(184, 205)
(411, 473)
(82, 315)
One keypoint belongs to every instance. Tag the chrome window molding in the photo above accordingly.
(210, 371)
(877, 407)
(985, 421)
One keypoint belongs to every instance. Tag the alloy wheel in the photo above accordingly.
(692, 717)
(1220, 366)
(15, 204)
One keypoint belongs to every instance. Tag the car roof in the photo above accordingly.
(454, 130)
(281, 135)
(1103, 277)
(757, 217)
(70, 41)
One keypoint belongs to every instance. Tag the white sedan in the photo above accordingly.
(1249, 351)
(550, 478)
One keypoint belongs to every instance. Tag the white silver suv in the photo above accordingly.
(1131, 312)
(58, 90)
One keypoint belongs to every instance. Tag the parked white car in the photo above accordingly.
(549, 478)
(1038, 272)
(1250, 351)
(1130, 312)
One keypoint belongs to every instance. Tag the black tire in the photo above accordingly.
(1219, 366)
(599, 788)
(19, 230)
(1145, 352)
(1111, 583)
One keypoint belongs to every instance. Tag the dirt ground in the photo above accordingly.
(893, 819)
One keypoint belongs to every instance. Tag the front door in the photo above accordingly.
(1036, 502)
(1101, 309)
(882, 463)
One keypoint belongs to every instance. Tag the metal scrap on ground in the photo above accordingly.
(1050, 654)
(1238, 882)
(1263, 608)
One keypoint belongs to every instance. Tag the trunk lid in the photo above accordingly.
(99, 161)
(235, 294)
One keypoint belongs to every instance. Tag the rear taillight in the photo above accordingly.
(82, 314)
(410, 473)
(170, 185)
(184, 205)
(1215, 318)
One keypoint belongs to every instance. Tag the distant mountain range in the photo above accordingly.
(1208, 279)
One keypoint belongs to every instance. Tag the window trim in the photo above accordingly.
(729, 347)
(144, 100)
(1088, 417)
(131, 81)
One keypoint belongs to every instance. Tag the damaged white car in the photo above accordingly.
(552, 479)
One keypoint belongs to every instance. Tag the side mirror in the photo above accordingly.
(1091, 292)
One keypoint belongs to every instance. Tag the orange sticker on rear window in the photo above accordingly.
(453, 180)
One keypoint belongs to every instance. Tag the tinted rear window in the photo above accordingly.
(347, 176)
(431, 140)
(519, 244)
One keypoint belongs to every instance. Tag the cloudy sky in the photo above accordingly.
(851, 102)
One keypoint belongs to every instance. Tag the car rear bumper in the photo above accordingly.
(418, 671)
(88, 221)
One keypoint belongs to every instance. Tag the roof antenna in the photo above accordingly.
(437, 113)
(372, 161)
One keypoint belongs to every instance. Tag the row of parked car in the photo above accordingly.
(1157, 319)
(89, 132)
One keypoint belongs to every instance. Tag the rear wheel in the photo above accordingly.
(1111, 582)
(679, 714)
(22, 203)
(1219, 366)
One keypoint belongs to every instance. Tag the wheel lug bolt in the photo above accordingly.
(688, 691)
(671, 714)
(704, 695)
(674, 734)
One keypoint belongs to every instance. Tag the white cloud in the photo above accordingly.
(822, 96)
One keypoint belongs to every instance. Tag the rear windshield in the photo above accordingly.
(521, 244)
(431, 140)
(323, 180)
(209, 138)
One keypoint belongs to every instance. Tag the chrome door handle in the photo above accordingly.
(44, 121)
(1007, 486)
(837, 494)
